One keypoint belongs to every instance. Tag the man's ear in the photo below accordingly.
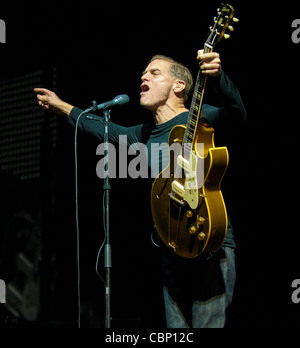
(179, 86)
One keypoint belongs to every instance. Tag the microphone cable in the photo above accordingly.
(77, 220)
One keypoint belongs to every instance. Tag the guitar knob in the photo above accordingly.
(193, 230)
(201, 236)
(200, 220)
(189, 214)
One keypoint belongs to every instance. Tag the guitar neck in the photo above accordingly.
(195, 109)
(217, 32)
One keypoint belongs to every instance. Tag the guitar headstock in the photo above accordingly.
(222, 22)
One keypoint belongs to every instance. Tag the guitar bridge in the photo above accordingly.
(176, 200)
(172, 245)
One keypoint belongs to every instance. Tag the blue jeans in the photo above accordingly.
(197, 292)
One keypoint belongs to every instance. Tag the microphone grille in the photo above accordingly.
(121, 99)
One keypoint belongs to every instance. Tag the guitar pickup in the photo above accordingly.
(183, 163)
(178, 189)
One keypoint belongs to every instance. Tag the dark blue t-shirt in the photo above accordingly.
(232, 110)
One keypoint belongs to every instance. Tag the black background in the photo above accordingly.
(100, 50)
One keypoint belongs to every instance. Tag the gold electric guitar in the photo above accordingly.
(187, 204)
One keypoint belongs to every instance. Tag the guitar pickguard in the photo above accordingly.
(189, 191)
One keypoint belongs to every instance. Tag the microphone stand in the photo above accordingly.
(107, 248)
(106, 225)
(106, 107)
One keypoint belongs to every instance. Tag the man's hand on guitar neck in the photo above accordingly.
(210, 63)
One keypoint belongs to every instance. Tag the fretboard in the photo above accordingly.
(195, 110)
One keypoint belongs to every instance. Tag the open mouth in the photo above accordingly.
(144, 89)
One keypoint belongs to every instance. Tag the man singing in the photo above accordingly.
(197, 291)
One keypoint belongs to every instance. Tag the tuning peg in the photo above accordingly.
(231, 28)
(236, 20)
(226, 36)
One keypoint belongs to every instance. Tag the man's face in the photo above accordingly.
(157, 84)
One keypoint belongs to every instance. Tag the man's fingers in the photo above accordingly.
(207, 56)
(208, 62)
(42, 90)
(204, 57)
(42, 98)
(214, 66)
(212, 73)
(200, 54)
(48, 100)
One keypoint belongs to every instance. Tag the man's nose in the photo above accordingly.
(145, 77)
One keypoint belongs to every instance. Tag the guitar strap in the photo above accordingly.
(204, 120)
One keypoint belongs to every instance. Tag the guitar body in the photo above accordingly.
(189, 229)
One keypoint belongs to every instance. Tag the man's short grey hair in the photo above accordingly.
(180, 71)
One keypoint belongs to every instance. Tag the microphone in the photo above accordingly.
(117, 101)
